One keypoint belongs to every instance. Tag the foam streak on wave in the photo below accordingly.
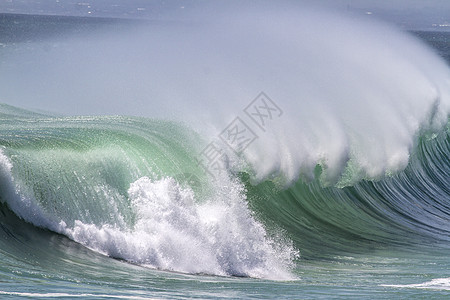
(435, 284)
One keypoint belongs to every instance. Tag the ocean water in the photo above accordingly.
(247, 155)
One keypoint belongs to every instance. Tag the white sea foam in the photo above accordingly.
(71, 295)
(435, 284)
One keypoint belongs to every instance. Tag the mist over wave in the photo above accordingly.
(355, 94)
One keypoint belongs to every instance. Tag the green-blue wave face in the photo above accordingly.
(81, 168)
(405, 210)
(133, 189)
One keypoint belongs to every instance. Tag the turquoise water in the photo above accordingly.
(121, 207)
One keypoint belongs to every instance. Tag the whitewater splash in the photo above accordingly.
(172, 232)
(166, 226)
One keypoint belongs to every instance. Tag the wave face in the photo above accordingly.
(353, 160)
(407, 209)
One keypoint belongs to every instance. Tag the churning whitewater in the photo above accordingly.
(345, 153)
